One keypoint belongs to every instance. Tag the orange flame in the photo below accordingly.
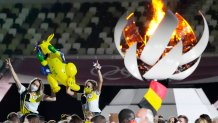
(183, 31)
(158, 15)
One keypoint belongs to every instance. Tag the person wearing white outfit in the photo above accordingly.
(31, 96)
(92, 91)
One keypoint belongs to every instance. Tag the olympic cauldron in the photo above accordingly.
(167, 50)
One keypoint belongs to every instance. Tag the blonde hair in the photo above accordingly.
(40, 91)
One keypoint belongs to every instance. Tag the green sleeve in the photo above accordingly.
(52, 49)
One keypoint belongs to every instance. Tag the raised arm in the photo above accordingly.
(100, 77)
(100, 80)
(49, 98)
(16, 79)
(70, 92)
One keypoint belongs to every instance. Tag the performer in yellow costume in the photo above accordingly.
(55, 67)
(31, 96)
(92, 92)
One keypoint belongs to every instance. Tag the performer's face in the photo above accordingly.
(89, 85)
(36, 83)
(88, 88)
(35, 86)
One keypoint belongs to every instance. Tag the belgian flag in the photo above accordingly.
(154, 97)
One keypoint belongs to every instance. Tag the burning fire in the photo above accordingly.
(163, 42)
(183, 31)
(158, 15)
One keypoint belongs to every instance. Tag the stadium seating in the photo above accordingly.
(80, 28)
